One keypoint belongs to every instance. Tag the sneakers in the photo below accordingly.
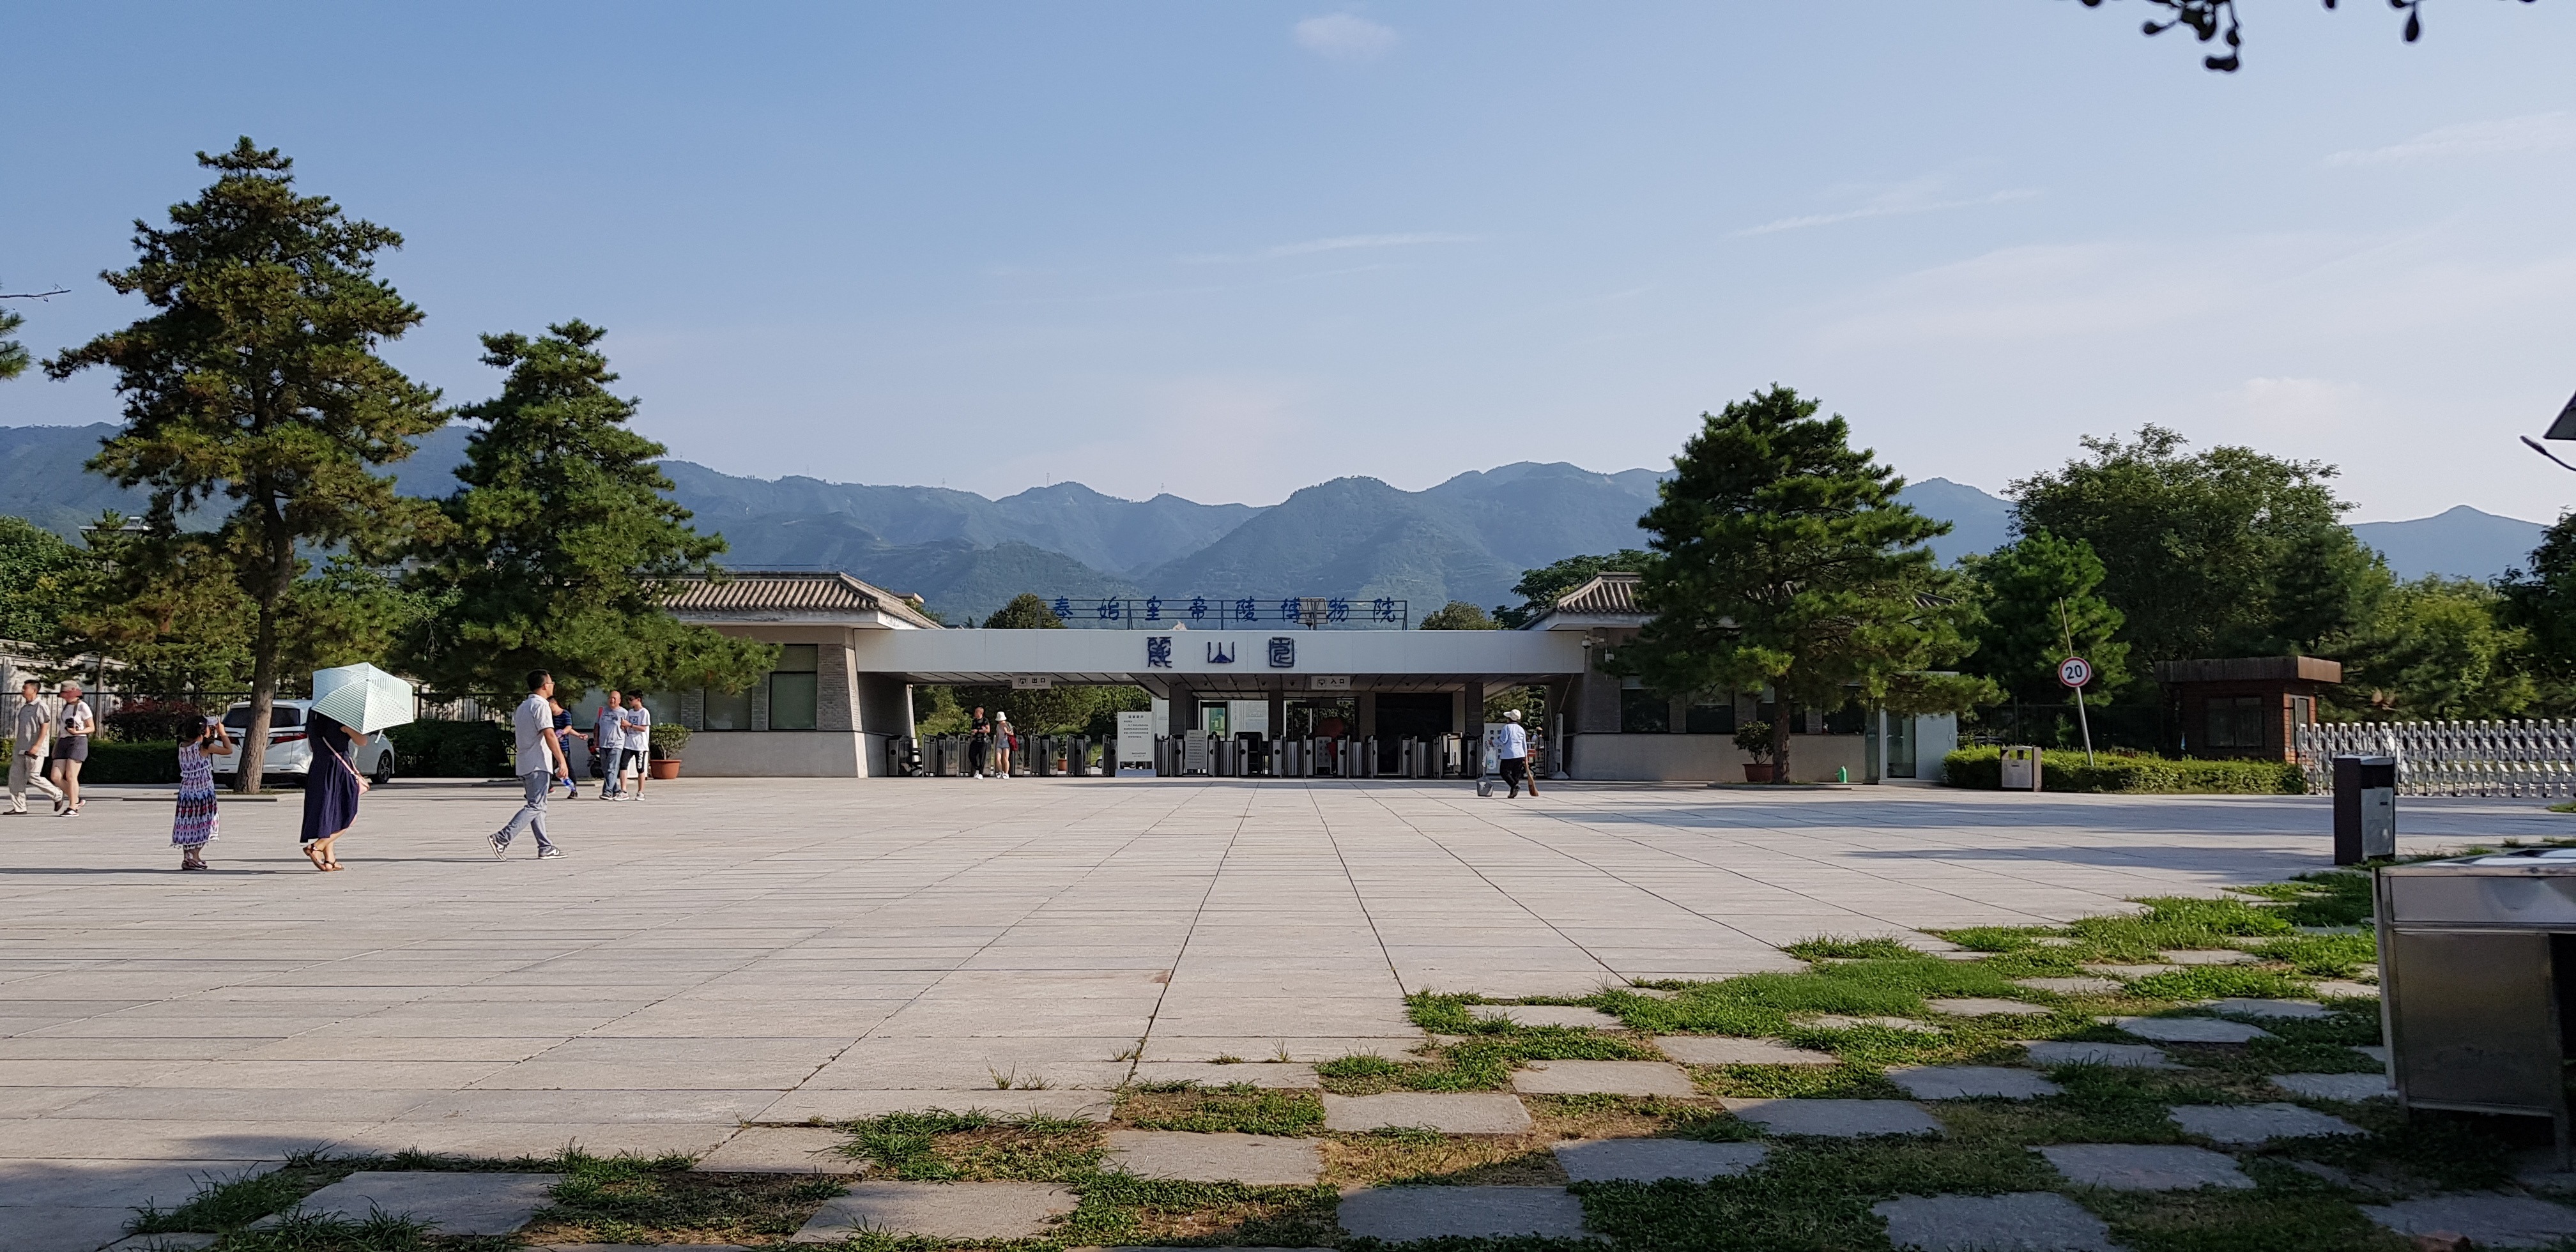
(548, 854)
(499, 849)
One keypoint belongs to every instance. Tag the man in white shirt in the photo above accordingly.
(611, 729)
(639, 739)
(31, 733)
(1511, 752)
(540, 758)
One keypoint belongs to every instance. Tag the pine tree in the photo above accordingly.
(258, 381)
(2035, 594)
(560, 544)
(1783, 559)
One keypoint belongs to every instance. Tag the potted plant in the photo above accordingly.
(1754, 738)
(668, 739)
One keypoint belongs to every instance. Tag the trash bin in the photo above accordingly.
(2477, 954)
(2365, 809)
(2021, 769)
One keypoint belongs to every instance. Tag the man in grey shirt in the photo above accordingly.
(32, 729)
(541, 757)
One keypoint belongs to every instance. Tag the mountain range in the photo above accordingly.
(1467, 538)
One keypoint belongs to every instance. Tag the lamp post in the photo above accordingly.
(2563, 428)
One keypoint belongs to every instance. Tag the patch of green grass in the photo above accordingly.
(2323, 956)
(2335, 897)
(1811, 1196)
(377, 1232)
(1352, 1075)
(224, 1203)
(1998, 938)
(2098, 1104)
(1119, 1208)
(2218, 982)
(2566, 807)
(2263, 1220)
(1875, 947)
(1811, 1082)
(2345, 1027)
(2174, 922)
(1485, 1062)
(1763, 1004)
(1237, 1107)
(942, 1146)
(639, 1200)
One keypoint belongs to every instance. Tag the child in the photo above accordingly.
(194, 826)
(564, 734)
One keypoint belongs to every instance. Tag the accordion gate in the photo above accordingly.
(2519, 758)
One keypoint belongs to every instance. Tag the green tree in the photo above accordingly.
(33, 563)
(13, 354)
(2032, 595)
(2437, 649)
(560, 545)
(1458, 615)
(258, 381)
(2540, 601)
(1026, 611)
(1539, 588)
(1057, 711)
(2226, 552)
(1784, 559)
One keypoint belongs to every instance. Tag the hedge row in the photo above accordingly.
(452, 749)
(2062, 770)
(111, 762)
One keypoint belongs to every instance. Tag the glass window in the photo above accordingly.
(1644, 712)
(664, 706)
(2236, 722)
(793, 688)
(1713, 717)
(727, 710)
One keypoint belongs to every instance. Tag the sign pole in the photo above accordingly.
(2081, 718)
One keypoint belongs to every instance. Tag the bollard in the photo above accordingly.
(2365, 809)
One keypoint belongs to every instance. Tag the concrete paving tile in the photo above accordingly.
(2027, 1221)
(2295, 1009)
(2489, 1221)
(961, 1210)
(451, 1203)
(25, 1228)
(848, 1106)
(1404, 1214)
(2130, 971)
(2375, 1051)
(1979, 1006)
(1835, 1119)
(2353, 1087)
(1205, 1048)
(2207, 956)
(2340, 988)
(588, 1107)
(2145, 1166)
(1637, 1078)
(1836, 1021)
(1290, 1076)
(2049, 1052)
(2189, 1029)
(2251, 1125)
(544, 1139)
(1963, 1082)
(1261, 1160)
(783, 1150)
(216, 1104)
(1650, 1160)
(1728, 1050)
(1458, 1113)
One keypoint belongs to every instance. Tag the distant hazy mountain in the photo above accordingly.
(2460, 542)
(41, 478)
(1978, 522)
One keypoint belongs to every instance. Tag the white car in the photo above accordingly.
(289, 754)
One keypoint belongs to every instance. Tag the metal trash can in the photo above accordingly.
(2365, 809)
(2477, 956)
(2021, 769)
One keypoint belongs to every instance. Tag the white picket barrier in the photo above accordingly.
(2519, 758)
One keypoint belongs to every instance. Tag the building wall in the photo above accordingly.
(1705, 758)
(783, 754)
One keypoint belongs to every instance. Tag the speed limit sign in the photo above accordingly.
(2075, 671)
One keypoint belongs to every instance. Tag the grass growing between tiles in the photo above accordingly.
(227, 1206)
(634, 1200)
(1240, 1108)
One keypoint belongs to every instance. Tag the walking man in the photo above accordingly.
(541, 754)
(71, 747)
(1511, 751)
(639, 738)
(611, 752)
(32, 730)
(979, 747)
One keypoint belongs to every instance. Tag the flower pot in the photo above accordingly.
(666, 768)
(1753, 773)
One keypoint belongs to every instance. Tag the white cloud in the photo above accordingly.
(2537, 132)
(1345, 37)
(1335, 243)
(1913, 197)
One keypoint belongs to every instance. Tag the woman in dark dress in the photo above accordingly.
(331, 788)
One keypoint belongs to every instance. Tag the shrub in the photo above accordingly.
(669, 739)
(132, 762)
(152, 721)
(1982, 769)
(436, 749)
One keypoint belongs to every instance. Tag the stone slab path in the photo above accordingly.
(1549, 1015)
(1725, 1050)
(451, 1203)
(1635, 1078)
(1982, 1006)
(2145, 1166)
(2046, 1052)
(2190, 1029)
(1652, 1160)
(1968, 1082)
(2490, 1221)
(852, 946)
(1264, 1160)
(1450, 1113)
(2251, 1125)
(2297, 1009)
(783, 1150)
(951, 1210)
(1835, 1119)
(2336, 1086)
(1402, 1214)
(2027, 1221)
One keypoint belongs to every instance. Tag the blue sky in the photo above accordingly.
(1229, 249)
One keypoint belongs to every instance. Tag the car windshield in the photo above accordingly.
(238, 717)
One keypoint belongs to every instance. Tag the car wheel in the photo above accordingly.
(384, 772)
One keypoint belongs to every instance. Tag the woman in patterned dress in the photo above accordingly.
(195, 825)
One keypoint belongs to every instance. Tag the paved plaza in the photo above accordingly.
(732, 952)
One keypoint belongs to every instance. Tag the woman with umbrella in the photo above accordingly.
(349, 704)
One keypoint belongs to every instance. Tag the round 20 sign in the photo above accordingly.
(2075, 671)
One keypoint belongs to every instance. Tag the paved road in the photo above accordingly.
(732, 950)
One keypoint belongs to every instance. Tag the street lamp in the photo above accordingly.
(2563, 428)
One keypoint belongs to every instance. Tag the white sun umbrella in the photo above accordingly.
(361, 697)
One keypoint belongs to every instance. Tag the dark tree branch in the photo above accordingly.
(2215, 21)
(34, 295)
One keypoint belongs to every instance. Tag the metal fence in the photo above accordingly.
(2518, 758)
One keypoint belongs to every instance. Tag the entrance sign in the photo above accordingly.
(1023, 682)
(1328, 682)
(2075, 671)
(1283, 652)
(1135, 740)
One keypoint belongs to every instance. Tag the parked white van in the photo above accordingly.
(289, 754)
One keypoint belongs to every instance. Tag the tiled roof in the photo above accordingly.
(788, 591)
(1610, 592)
